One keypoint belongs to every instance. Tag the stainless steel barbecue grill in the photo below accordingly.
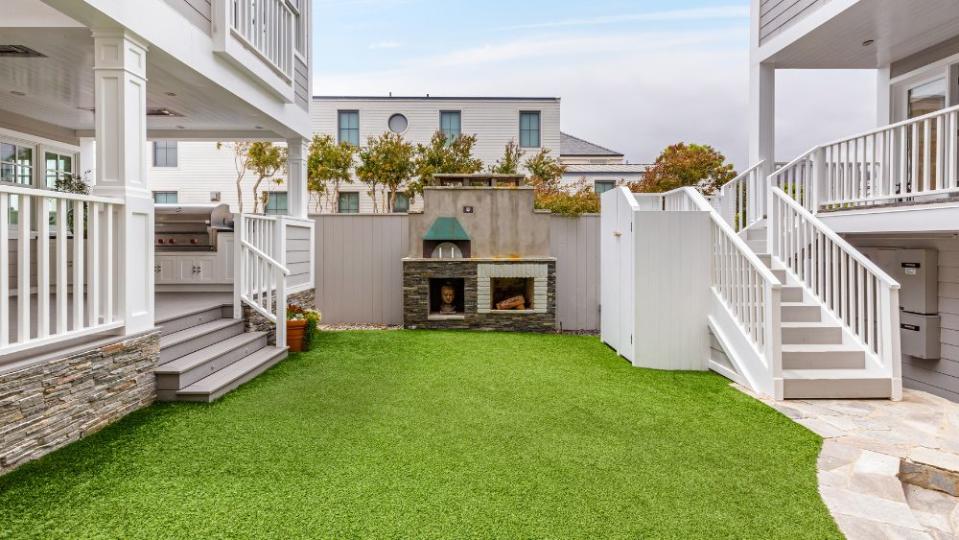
(195, 227)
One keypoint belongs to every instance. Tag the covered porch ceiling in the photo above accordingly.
(58, 89)
(897, 29)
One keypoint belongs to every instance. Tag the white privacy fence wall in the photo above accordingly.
(58, 282)
(741, 300)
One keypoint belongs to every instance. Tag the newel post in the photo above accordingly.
(280, 255)
(818, 178)
(239, 270)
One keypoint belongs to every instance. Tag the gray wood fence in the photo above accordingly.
(359, 269)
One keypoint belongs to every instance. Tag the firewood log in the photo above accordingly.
(511, 303)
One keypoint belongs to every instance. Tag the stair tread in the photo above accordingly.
(800, 304)
(190, 333)
(819, 348)
(816, 324)
(835, 374)
(231, 373)
(196, 311)
(194, 359)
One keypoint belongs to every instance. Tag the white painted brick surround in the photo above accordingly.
(486, 272)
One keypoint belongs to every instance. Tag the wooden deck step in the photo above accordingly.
(193, 339)
(835, 384)
(807, 356)
(212, 387)
(813, 333)
(189, 369)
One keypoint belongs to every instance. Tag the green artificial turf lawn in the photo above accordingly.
(437, 435)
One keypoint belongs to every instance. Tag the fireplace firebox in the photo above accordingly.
(511, 293)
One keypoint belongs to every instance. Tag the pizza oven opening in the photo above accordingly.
(512, 293)
(447, 297)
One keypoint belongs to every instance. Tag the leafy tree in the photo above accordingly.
(509, 163)
(265, 161)
(545, 171)
(443, 156)
(699, 166)
(387, 160)
(328, 165)
(573, 201)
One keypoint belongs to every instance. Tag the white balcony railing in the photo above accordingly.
(62, 248)
(742, 201)
(268, 27)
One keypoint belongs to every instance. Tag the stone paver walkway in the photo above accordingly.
(870, 447)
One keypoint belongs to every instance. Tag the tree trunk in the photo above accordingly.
(256, 198)
(239, 193)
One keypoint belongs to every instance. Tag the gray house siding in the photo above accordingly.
(925, 57)
(198, 12)
(778, 15)
(301, 83)
(298, 256)
(940, 377)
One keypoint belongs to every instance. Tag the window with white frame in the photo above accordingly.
(602, 186)
(529, 129)
(451, 124)
(166, 197)
(58, 168)
(348, 124)
(165, 154)
(277, 203)
(401, 203)
(348, 203)
(16, 163)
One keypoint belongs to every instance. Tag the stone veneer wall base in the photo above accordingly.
(47, 405)
(255, 322)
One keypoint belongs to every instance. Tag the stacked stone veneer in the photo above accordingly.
(416, 289)
(255, 322)
(50, 404)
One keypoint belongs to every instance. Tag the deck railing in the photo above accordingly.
(747, 287)
(268, 28)
(742, 201)
(63, 249)
(857, 292)
(260, 269)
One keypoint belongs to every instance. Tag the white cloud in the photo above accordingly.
(637, 92)
(710, 13)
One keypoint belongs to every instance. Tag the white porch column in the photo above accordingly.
(762, 116)
(120, 90)
(297, 194)
(883, 97)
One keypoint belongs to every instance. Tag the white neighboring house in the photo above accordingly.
(600, 168)
(532, 122)
(85, 87)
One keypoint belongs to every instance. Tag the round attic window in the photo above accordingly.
(398, 123)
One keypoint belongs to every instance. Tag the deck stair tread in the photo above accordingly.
(195, 311)
(196, 331)
(229, 375)
(197, 358)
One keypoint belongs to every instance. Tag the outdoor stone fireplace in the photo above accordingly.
(479, 258)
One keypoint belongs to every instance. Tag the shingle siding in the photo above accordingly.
(198, 12)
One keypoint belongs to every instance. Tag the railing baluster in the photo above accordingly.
(43, 269)
(108, 264)
(23, 267)
(93, 291)
(63, 302)
(4, 269)
(78, 263)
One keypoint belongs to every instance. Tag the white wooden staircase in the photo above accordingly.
(830, 324)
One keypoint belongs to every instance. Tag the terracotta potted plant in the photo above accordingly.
(298, 327)
(295, 328)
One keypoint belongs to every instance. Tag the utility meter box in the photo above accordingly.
(920, 335)
(918, 273)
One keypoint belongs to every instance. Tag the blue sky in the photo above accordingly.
(634, 75)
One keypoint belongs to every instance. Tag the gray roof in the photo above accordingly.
(574, 146)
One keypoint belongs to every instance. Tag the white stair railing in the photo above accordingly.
(742, 200)
(260, 269)
(63, 257)
(748, 289)
(857, 292)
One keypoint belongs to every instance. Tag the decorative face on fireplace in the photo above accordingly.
(447, 297)
(512, 293)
